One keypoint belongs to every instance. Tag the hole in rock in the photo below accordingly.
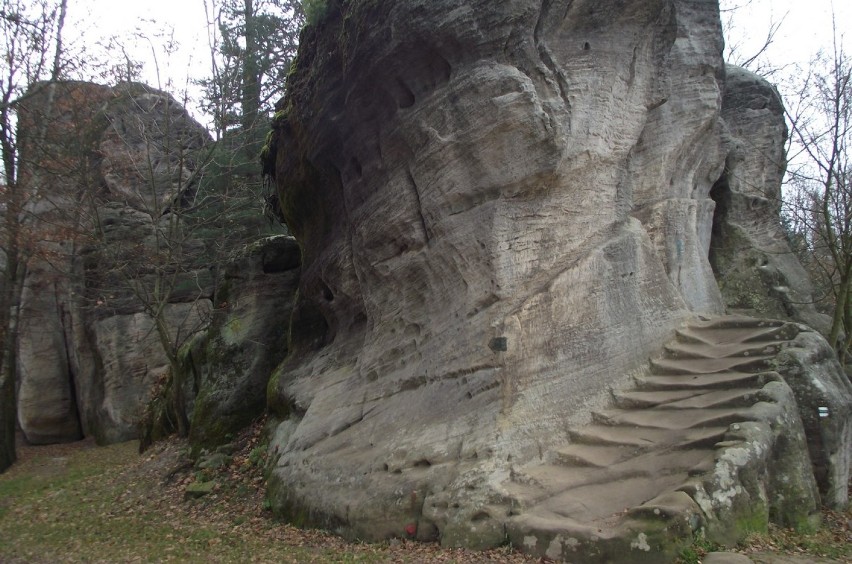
(480, 516)
(586, 46)
(422, 463)
(721, 195)
(403, 95)
(327, 294)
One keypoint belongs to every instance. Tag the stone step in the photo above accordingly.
(593, 494)
(639, 399)
(597, 456)
(554, 478)
(736, 322)
(717, 399)
(679, 350)
(646, 437)
(693, 381)
(665, 366)
(648, 455)
(690, 398)
(594, 502)
(723, 336)
(672, 419)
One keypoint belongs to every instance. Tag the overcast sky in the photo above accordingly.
(806, 28)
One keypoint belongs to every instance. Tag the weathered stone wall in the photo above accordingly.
(503, 208)
(757, 272)
(100, 166)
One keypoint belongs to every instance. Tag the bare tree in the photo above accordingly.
(32, 34)
(751, 55)
(188, 215)
(156, 262)
(819, 200)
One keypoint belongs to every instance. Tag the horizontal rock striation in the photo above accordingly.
(102, 167)
(504, 209)
(246, 340)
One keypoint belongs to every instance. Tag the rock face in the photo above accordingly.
(709, 439)
(246, 340)
(824, 396)
(757, 272)
(504, 209)
(99, 167)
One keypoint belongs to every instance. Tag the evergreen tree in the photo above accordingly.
(252, 43)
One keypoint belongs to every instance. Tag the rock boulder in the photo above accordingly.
(757, 272)
(102, 166)
(504, 209)
(247, 339)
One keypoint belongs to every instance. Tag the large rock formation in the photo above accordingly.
(750, 254)
(102, 167)
(504, 209)
(246, 340)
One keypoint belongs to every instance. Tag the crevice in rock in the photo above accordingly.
(403, 95)
(547, 57)
(74, 407)
(413, 184)
(720, 193)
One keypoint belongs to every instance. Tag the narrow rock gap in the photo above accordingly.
(546, 56)
(75, 407)
(720, 193)
(419, 207)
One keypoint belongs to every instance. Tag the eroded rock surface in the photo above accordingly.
(246, 340)
(102, 167)
(824, 397)
(504, 209)
(757, 272)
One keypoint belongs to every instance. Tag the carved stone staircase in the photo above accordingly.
(618, 491)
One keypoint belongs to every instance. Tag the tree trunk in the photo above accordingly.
(250, 78)
(10, 306)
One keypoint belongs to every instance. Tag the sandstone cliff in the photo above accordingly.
(101, 170)
(247, 339)
(504, 209)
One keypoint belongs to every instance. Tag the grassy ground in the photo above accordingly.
(81, 503)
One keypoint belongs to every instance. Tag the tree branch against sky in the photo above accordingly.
(819, 180)
(814, 77)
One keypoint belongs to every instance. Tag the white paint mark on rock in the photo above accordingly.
(641, 543)
(554, 551)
